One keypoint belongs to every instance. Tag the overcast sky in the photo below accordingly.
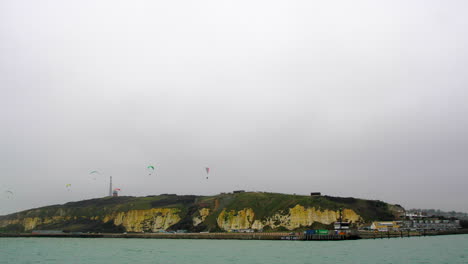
(366, 99)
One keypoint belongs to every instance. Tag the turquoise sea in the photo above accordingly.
(438, 249)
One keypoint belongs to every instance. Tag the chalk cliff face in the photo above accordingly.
(242, 219)
(156, 219)
(297, 217)
(153, 220)
(203, 213)
(30, 223)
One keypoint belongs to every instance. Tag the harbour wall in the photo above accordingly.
(244, 236)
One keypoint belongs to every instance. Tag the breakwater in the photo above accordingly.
(245, 236)
(237, 236)
(392, 234)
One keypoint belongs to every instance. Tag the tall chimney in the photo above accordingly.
(110, 187)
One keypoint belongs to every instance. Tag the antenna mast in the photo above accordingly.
(110, 186)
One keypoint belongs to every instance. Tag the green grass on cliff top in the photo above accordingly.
(264, 205)
(268, 204)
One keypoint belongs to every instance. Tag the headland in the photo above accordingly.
(237, 215)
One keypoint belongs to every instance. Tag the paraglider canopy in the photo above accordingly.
(8, 193)
(94, 172)
(150, 168)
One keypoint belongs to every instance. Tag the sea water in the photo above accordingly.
(436, 249)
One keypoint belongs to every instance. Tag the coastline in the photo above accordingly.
(246, 236)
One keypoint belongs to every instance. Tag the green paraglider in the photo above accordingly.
(94, 172)
(150, 169)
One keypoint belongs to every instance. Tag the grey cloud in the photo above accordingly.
(362, 98)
